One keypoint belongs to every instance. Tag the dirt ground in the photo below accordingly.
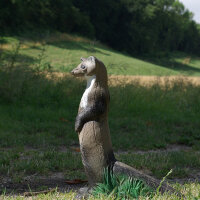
(37, 183)
(57, 180)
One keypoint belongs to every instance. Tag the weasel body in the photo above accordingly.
(92, 120)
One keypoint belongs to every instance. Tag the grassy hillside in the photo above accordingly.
(62, 52)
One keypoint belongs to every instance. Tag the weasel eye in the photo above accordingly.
(82, 66)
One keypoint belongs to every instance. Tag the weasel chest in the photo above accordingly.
(88, 90)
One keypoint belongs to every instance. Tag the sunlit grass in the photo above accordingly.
(63, 52)
(190, 190)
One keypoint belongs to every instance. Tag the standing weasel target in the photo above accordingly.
(92, 119)
(93, 129)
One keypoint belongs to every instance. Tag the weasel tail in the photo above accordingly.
(93, 130)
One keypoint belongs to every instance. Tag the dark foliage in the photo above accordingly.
(134, 26)
(61, 15)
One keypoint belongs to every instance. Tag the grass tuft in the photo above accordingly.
(121, 187)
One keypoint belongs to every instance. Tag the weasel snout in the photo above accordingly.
(72, 72)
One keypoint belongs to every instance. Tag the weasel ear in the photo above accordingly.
(92, 58)
(83, 59)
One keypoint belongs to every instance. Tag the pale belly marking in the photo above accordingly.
(90, 83)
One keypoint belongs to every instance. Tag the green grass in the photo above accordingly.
(158, 164)
(19, 163)
(139, 118)
(62, 53)
(37, 111)
(190, 190)
(122, 187)
(22, 162)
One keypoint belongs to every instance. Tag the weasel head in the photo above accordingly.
(89, 67)
(86, 68)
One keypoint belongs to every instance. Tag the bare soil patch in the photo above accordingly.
(35, 183)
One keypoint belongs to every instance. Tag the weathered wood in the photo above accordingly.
(123, 169)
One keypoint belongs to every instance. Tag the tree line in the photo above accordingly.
(133, 26)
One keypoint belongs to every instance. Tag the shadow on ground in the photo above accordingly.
(8, 56)
(33, 184)
(77, 46)
(171, 63)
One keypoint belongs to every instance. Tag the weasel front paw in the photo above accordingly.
(78, 126)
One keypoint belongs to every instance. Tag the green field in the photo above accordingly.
(62, 52)
(38, 108)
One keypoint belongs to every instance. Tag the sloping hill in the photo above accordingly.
(62, 53)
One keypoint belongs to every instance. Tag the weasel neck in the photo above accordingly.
(90, 80)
